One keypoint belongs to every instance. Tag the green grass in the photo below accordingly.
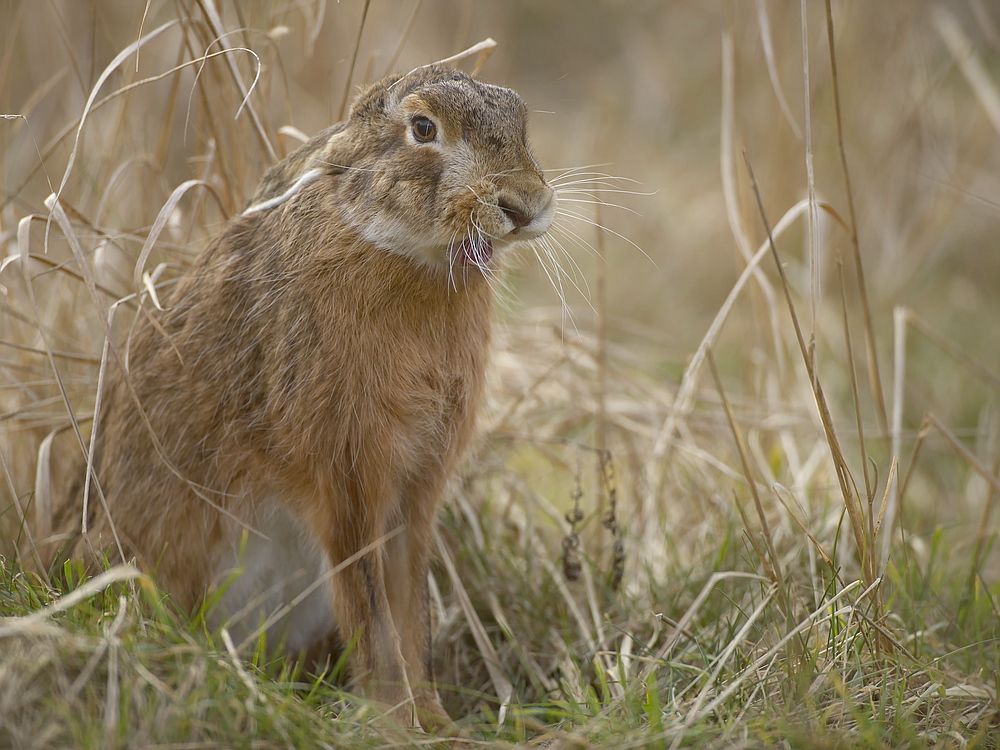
(755, 609)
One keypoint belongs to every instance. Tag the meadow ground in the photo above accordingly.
(773, 465)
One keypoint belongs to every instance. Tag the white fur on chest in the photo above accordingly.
(282, 580)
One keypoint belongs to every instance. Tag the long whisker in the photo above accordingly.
(346, 167)
(452, 284)
(603, 228)
(553, 247)
(593, 179)
(555, 280)
(599, 202)
(548, 249)
(506, 172)
(564, 227)
(576, 170)
(597, 188)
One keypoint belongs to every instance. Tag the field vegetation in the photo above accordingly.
(737, 478)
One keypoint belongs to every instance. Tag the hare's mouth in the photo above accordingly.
(475, 251)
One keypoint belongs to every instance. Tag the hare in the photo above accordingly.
(294, 411)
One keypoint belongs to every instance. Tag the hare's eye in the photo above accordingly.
(424, 129)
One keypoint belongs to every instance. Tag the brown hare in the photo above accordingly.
(296, 408)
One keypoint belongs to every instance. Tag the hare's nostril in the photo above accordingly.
(515, 213)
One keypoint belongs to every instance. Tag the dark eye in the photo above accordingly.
(424, 129)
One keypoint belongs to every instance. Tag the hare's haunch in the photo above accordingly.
(295, 412)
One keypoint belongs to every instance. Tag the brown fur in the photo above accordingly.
(324, 361)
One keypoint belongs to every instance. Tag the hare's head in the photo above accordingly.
(435, 165)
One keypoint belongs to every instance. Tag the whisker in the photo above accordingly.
(545, 253)
(553, 247)
(605, 180)
(578, 239)
(603, 228)
(555, 281)
(346, 167)
(576, 170)
(595, 191)
(506, 172)
(452, 284)
(589, 187)
(593, 179)
(599, 202)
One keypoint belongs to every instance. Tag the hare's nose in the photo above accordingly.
(517, 214)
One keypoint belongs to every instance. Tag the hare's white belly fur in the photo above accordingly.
(282, 580)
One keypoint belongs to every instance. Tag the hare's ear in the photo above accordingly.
(337, 153)
(327, 153)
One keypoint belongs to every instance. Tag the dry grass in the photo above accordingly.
(778, 420)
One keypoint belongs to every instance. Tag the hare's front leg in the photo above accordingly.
(408, 555)
(350, 524)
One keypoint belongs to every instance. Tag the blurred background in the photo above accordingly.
(634, 88)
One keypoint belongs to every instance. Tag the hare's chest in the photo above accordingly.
(428, 412)
(428, 384)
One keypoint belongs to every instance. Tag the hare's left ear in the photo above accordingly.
(327, 153)
(337, 154)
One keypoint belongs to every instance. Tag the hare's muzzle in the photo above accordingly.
(517, 215)
(531, 211)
